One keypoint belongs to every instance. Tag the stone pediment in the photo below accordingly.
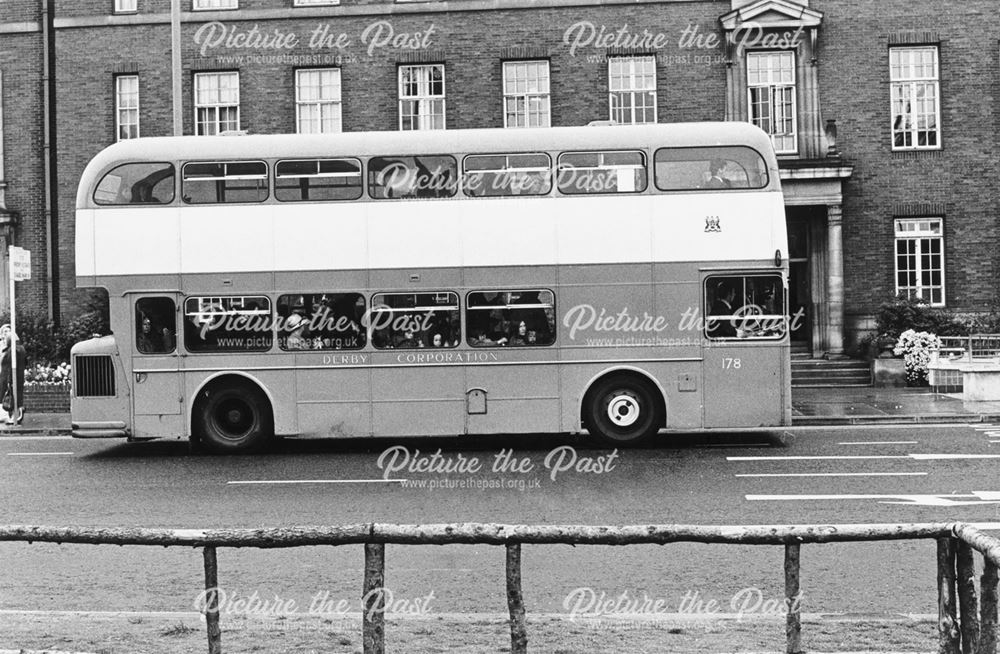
(772, 14)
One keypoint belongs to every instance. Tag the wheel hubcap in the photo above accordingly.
(234, 418)
(623, 409)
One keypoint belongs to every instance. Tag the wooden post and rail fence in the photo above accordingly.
(967, 616)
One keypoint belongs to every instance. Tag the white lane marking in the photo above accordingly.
(40, 453)
(836, 474)
(916, 457)
(4, 438)
(880, 443)
(817, 429)
(948, 499)
(816, 458)
(319, 481)
(939, 457)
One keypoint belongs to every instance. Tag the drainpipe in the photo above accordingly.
(175, 66)
(49, 162)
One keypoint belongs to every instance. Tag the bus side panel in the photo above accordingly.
(334, 403)
(746, 385)
(519, 399)
(681, 384)
(418, 400)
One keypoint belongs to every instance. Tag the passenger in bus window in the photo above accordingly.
(296, 326)
(716, 179)
(520, 337)
(153, 339)
(408, 340)
(718, 325)
(483, 340)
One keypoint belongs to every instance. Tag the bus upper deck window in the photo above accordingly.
(421, 176)
(494, 175)
(714, 168)
(313, 180)
(601, 172)
(224, 182)
(137, 183)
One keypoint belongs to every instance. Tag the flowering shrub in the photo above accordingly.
(916, 348)
(48, 375)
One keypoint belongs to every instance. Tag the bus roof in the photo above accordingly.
(400, 143)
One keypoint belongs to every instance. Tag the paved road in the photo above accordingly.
(846, 475)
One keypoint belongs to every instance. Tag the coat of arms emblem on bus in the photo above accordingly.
(712, 224)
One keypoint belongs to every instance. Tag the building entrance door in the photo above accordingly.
(799, 283)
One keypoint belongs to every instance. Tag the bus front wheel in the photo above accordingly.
(623, 410)
(233, 418)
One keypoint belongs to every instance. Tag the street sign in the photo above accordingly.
(20, 264)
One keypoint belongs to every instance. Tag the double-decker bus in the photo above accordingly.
(621, 280)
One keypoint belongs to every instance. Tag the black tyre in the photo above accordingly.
(623, 410)
(233, 418)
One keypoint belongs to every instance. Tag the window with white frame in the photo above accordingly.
(915, 90)
(526, 94)
(421, 97)
(920, 258)
(126, 6)
(216, 102)
(312, 3)
(127, 107)
(771, 96)
(632, 89)
(317, 101)
(207, 5)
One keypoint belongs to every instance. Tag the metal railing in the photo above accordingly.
(967, 616)
(975, 346)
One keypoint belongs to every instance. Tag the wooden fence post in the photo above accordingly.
(793, 623)
(212, 601)
(948, 636)
(515, 601)
(968, 601)
(988, 609)
(373, 600)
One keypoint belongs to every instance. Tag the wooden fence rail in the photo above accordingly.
(967, 618)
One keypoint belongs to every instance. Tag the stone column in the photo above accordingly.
(835, 282)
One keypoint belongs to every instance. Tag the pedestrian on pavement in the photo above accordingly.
(13, 383)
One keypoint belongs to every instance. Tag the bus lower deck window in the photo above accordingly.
(415, 320)
(745, 307)
(321, 321)
(227, 324)
(510, 318)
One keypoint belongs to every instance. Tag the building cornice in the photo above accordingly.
(338, 11)
(842, 171)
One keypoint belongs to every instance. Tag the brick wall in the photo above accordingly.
(852, 69)
(46, 398)
(20, 57)
(953, 182)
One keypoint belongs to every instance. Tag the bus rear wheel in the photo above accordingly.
(233, 418)
(623, 410)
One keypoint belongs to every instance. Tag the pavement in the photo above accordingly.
(811, 406)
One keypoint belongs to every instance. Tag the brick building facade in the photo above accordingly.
(883, 113)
